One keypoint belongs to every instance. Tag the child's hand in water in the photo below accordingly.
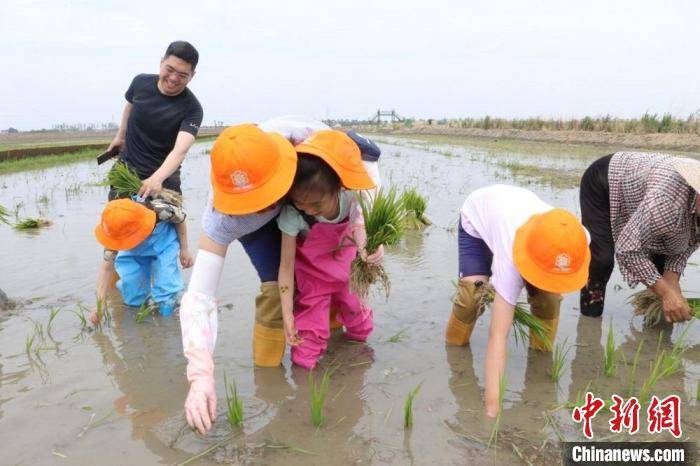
(290, 332)
(186, 259)
(376, 258)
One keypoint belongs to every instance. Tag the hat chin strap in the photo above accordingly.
(206, 273)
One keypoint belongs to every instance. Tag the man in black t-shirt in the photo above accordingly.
(160, 120)
(158, 126)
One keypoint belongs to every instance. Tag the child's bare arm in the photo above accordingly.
(186, 259)
(497, 351)
(285, 281)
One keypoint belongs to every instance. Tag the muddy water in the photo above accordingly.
(115, 396)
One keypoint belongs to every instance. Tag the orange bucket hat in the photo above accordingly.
(342, 154)
(250, 169)
(124, 224)
(551, 251)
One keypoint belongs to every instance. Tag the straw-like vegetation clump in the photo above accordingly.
(648, 304)
(384, 216)
(32, 224)
(415, 205)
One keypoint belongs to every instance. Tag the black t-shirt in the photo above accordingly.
(153, 125)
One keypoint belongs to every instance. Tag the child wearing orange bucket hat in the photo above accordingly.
(148, 251)
(322, 232)
(251, 171)
(510, 237)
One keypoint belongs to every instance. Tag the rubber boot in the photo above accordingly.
(465, 310)
(545, 306)
(268, 334)
(334, 324)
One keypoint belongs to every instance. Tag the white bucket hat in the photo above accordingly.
(689, 169)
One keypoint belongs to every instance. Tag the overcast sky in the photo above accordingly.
(71, 61)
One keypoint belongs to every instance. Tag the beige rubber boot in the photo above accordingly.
(466, 309)
(268, 334)
(545, 307)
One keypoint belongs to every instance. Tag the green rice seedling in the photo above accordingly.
(234, 405)
(502, 384)
(124, 181)
(102, 316)
(671, 362)
(415, 204)
(4, 215)
(384, 222)
(398, 336)
(697, 390)
(609, 363)
(145, 310)
(656, 372)
(559, 360)
(32, 224)
(694, 304)
(317, 396)
(81, 317)
(408, 407)
(52, 316)
(635, 363)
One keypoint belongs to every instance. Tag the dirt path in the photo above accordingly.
(656, 141)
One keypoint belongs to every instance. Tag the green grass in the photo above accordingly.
(415, 205)
(609, 362)
(408, 407)
(317, 396)
(559, 360)
(234, 405)
(45, 161)
(384, 218)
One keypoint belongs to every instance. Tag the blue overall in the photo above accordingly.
(150, 270)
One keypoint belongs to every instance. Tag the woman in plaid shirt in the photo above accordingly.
(642, 209)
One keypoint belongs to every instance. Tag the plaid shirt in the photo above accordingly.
(652, 212)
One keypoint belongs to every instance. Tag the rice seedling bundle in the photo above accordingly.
(145, 310)
(415, 204)
(523, 320)
(384, 222)
(127, 183)
(648, 304)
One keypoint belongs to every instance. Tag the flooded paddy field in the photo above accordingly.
(72, 396)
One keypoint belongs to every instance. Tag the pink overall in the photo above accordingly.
(322, 274)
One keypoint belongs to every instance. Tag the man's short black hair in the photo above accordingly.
(184, 51)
